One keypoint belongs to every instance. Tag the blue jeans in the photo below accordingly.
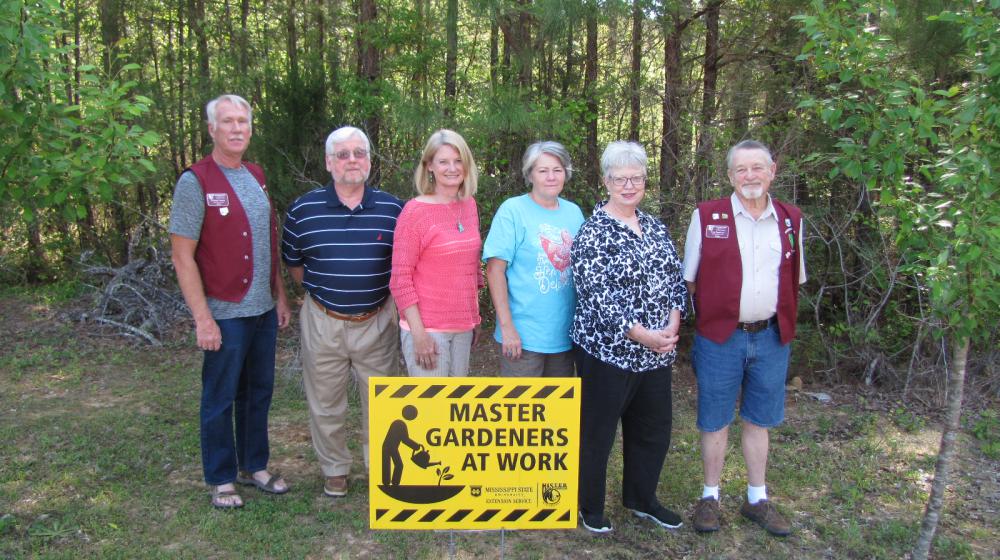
(238, 377)
(756, 363)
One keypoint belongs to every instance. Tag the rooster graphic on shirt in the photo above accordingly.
(552, 270)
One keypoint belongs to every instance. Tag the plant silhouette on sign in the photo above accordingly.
(443, 474)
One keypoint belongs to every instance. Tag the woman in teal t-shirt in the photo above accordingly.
(528, 268)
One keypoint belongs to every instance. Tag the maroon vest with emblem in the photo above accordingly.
(225, 246)
(720, 271)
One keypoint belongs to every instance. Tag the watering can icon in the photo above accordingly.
(422, 458)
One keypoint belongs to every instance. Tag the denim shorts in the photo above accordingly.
(756, 363)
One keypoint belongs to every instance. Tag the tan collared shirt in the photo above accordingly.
(760, 253)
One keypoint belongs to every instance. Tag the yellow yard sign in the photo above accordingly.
(473, 453)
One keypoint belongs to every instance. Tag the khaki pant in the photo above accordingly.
(334, 351)
(452, 359)
(537, 364)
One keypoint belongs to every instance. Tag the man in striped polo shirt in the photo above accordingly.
(337, 243)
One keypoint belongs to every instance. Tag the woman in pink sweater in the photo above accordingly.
(435, 261)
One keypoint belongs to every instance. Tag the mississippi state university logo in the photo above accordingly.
(476, 490)
(552, 493)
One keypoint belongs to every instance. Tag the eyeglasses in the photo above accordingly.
(344, 155)
(638, 181)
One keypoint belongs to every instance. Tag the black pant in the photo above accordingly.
(643, 403)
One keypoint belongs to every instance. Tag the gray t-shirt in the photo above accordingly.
(188, 213)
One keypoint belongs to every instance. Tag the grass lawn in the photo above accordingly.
(100, 459)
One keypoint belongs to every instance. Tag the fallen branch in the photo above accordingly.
(130, 329)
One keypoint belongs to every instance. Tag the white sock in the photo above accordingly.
(756, 493)
(710, 492)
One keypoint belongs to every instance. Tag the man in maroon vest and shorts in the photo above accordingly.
(224, 237)
(743, 263)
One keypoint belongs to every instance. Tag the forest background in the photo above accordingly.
(103, 106)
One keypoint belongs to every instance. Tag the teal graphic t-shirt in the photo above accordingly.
(535, 242)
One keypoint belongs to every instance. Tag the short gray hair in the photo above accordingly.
(342, 134)
(210, 109)
(622, 154)
(536, 150)
(748, 145)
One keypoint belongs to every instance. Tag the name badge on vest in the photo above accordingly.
(216, 199)
(717, 232)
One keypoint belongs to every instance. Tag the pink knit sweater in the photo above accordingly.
(435, 266)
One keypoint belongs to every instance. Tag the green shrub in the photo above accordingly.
(986, 430)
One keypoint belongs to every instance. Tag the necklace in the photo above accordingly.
(458, 219)
(448, 202)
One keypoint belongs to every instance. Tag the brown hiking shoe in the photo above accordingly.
(766, 515)
(335, 486)
(706, 515)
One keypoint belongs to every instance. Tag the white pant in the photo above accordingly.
(452, 358)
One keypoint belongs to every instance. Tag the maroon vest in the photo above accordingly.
(225, 245)
(720, 271)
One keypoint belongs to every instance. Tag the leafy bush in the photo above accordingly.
(986, 429)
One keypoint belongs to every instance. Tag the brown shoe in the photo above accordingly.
(706, 515)
(336, 486)
(767, 516)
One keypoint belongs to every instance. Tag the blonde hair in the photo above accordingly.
(444, 137)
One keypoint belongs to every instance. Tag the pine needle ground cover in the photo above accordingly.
(100, 459)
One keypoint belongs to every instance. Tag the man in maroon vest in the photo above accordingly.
(743, 263)
(224, 237)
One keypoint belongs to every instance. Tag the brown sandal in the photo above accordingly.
(247, 478)
(220, 499)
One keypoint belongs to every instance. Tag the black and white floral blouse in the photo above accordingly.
(623, 279)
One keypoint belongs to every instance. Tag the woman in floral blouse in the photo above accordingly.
(630, 300)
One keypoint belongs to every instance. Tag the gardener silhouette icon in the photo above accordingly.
(392, 466)
(392, 462)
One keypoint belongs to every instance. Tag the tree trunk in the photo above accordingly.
(591, 170)
(35, 266)
(333, 55)
(291, 42)
(568, 76)
(494, 51)
(369, 71)
(516, 27)
(320, 22)
(112, 23)
(635, 76)
(942, 470)
(451, 57)
(204, 84)
(710, 73)
(739, 104)
(175, 63)
(548, 56)
(670, 148)
(76, 52)
(112, 16)
(244, 42)
(419, 85)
